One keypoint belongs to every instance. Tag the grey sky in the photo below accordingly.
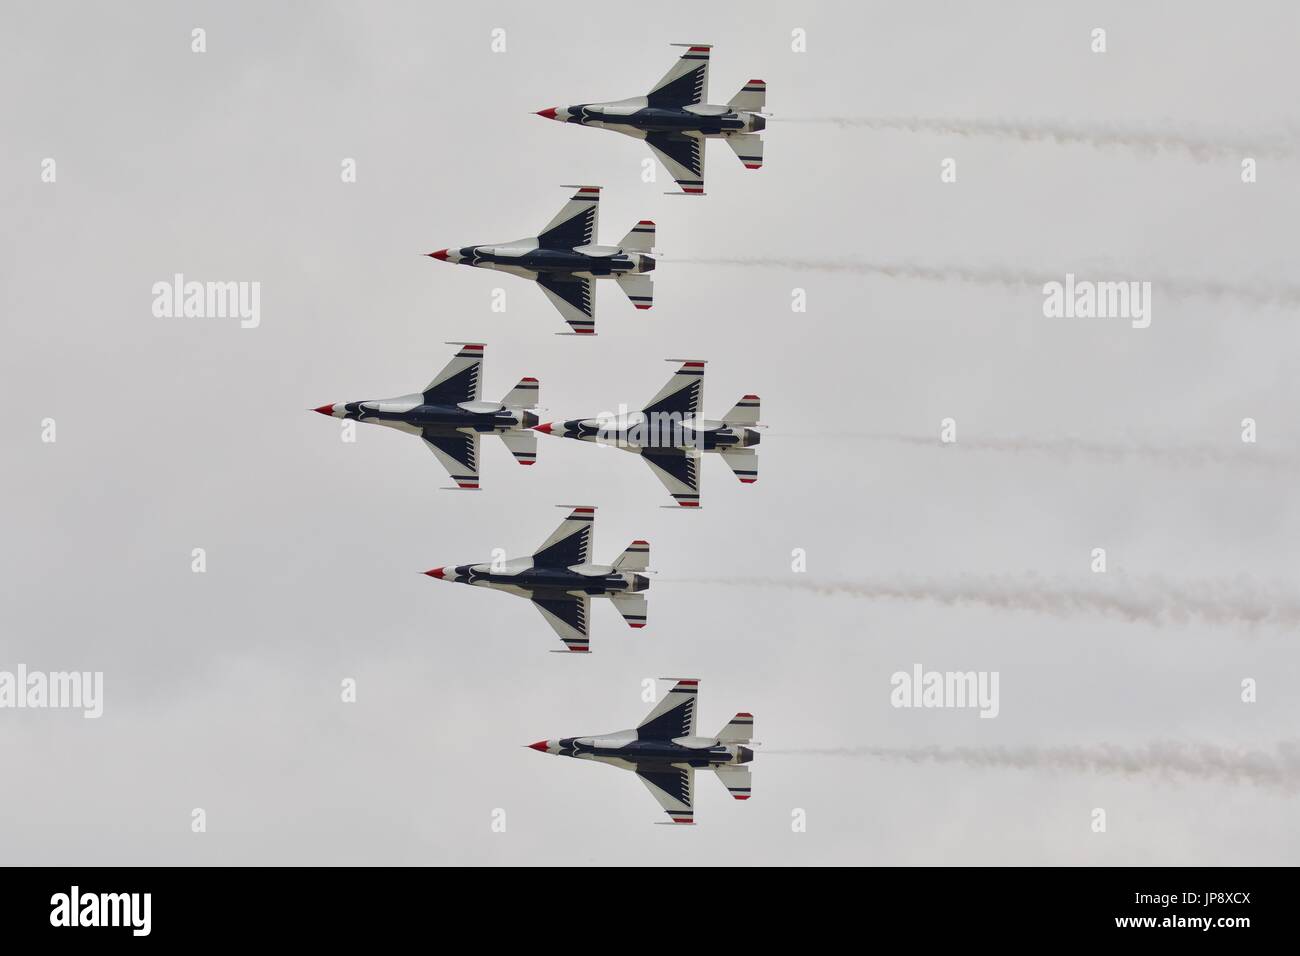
(222, 688)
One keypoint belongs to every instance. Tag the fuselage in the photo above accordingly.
(526, 256)
(626, 746)
(636, 117)
(411, 413)
(594, 579)
(638, 431)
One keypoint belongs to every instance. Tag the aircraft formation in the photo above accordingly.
(669, 433)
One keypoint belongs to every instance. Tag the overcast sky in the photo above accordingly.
(222, 688)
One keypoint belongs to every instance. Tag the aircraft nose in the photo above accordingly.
(549, 112)
(325, 410)
(440, 255)
(439, 573)
(542, 745)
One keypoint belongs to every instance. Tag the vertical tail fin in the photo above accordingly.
(738, 730)
(744, 412)
(752, 97)
(523, 395)
(635, 558)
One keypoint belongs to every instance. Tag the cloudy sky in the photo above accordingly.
(222, 688)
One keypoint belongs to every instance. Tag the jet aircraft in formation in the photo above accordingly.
(564, 259)
(560, 579)
(675, 121)
(671, 436)
(669, 433)
(664, 751)
(450, 415)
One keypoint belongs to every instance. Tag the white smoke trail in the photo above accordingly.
(1144, 601)
(1176, 287)
(1169, 759)
(1203, 147)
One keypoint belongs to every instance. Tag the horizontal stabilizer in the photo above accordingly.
(632, 606)
(521, 444)
(739, 730)
(641, 238)
(748, 147)
(744, 462)
(639, 288)
(744, 412)
(736, 779)
(523, 395)
(635, 558)
(752, 97)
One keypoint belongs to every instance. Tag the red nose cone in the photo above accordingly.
(544, 429)
(435, 573)
(549, 112)
(440, 255)
(540, 745)
(325, 409)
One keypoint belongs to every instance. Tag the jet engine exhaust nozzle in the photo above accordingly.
(744, 755)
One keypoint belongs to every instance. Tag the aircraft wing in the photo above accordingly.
(461, 379)
(574, 297)
(570, 543)
(577, 224)
(458, 453)
(682, 154)
(684, 393)
(678, 471)
(674, 715)
(687, 82)
(567, 614)
(674, 787)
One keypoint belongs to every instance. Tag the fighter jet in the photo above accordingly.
(560, 581)
(674, 120)
(564, 260)
(664, 752)
(450, 415)
(670, 436)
